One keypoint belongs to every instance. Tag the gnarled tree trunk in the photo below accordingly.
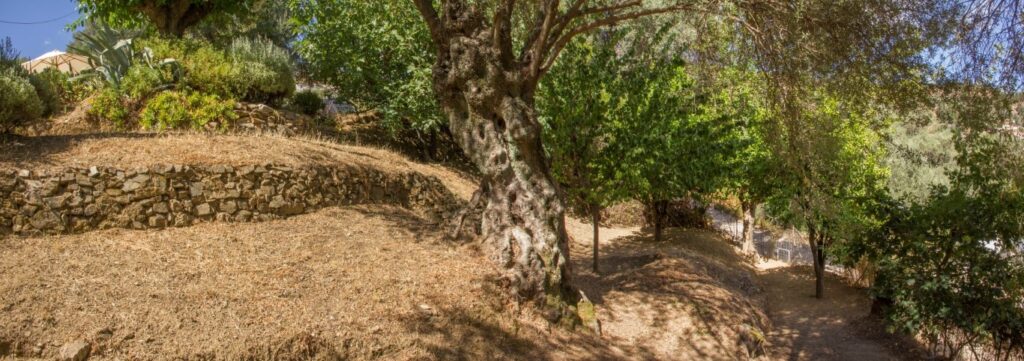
(172, 18)
(490, 107)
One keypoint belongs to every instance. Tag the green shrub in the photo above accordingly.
(207, 69)
(140, 81)
(306, 102)
(175, 110)
(251, 70)
(57, 91)
(166, 110)
(47, 94)
(109, 105)
(206, 108)
(266, 67)
(19, 102)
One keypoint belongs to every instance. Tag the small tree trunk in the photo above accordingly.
(595, 218)
(659, 211)
(818, 255)
(747, 237)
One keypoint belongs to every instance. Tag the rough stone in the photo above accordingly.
(228, 207)
(160, 207)
(45, 220)
(75, 351)
(162, 195)
(204, 210)
(158, 221)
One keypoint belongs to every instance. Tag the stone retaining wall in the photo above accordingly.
(263, 118)
(77, 200)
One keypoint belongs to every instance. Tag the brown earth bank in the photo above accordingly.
(351, 282)
(360, 282)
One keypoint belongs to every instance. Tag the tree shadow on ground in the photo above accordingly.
(492, 330)
(690, 296)
(401, 218)
(836, 327)
(38, 149)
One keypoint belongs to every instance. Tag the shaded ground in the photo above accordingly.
(358, 282)
(837, 327)
(690, 297)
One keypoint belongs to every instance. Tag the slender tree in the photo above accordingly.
(575, 104)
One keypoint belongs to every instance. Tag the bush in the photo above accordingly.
(175, 110)
(251, 70)
(109, 105)
(306, 102)
(207, 69)
(266, 67)
(140, 81)
(165, 110)
(47, 90)
(19, 102)
(206, 108)
(57, 91)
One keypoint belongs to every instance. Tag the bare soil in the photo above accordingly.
(836, 327)
(689, 297)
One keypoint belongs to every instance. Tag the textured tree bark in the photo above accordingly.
(659, 211)
(818, 254)
(173, 17)
(489, 103)
(595, 218)
(747, 238)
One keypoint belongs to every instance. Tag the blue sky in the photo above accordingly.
(36, 39)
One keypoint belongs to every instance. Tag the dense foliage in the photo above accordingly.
(307, 102)
(175, 110)
(23, 98)
(949, 262)
(169, 17)
(376, 54)
(19, 102)
(109, 105)
(250, 70)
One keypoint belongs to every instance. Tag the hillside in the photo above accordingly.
(360, 281)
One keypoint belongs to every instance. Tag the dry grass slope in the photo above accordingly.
(359, 282)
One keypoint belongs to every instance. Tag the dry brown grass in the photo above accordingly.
(129, 150)
(356, 282)
(361, 282)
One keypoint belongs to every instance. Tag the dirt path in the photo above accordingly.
(837, 327)
(688, 297)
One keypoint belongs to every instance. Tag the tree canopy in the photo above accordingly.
(169, 17)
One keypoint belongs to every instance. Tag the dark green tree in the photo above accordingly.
(168, 17)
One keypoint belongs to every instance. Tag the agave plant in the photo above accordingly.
(110, 54)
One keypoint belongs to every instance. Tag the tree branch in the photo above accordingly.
(502, 31)
(429, 14)
(562, 41)
(538, 48)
